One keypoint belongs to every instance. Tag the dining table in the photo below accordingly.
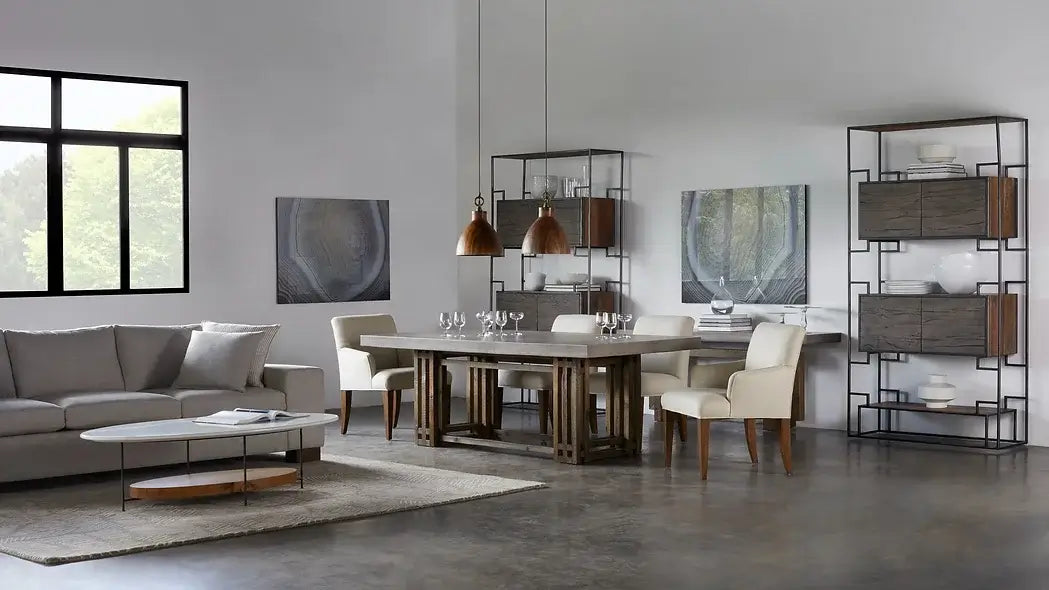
(570, 358)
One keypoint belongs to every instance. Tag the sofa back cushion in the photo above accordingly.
(64, 361)
(7, 380)
(151, 356)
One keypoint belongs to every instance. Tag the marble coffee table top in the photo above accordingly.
(180, 429)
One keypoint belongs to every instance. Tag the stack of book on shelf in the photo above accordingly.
(572, 288)
(935, 170)
(733, 322)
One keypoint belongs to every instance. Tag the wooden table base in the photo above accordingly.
(212, 483)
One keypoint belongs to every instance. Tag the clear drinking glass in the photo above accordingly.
(517, 316)
(613, 323)
(500, 320)
(599, 320)
(482, 316)
(445, 321)
(459, 319)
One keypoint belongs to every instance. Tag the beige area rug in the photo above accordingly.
(78, 522)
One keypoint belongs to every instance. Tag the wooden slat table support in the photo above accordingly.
(433, 406)
(483, 397)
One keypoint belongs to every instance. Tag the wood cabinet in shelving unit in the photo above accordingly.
(587, 221)
(930, 209)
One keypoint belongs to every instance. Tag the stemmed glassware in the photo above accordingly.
(482, 316)
(625, 318)
(606, 321)
(459, 320)
(500, 320)
(445, 321)
(517, 316)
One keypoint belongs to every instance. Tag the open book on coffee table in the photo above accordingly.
(247, 416)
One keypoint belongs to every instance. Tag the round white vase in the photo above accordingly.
(534, 281)
(958, 273)
(937, 393)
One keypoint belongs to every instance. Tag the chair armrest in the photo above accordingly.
(762, 393)
(714, 374)
(303, 386)
(356, 369)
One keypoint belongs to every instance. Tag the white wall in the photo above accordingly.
(741, 93)
(325, 98)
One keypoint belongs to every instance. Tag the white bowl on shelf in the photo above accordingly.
(936, 152)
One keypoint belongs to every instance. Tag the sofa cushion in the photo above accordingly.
(65, 361)
(29, 416)
(7, 380)
(215, 360)
(91, 409)
(202, 402)
(269, 332)
(151, 356)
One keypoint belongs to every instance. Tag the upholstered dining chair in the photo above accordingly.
(365, 368)
(542, 380)
(762, 386)
(660, 371)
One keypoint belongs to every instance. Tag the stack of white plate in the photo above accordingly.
(933, 170)
(908, 287)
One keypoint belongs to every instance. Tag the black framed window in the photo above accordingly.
(94, 184)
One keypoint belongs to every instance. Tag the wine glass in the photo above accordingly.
(626, 318)
(600, 321)
(500, 320)
(517, 316)
(613, 323)
(482, 316)
(489, 323)
(459, 319)
(445, 321)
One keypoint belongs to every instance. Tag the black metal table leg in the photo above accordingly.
(244, 459)
(123, 495)
(301, 476)
(187, 458)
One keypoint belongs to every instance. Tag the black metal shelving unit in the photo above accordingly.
(588, 251)
(885, 402)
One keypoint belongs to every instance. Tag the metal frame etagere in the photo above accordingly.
(1013, 406)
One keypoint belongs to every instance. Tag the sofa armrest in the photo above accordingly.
(762, 393)
(302, 386)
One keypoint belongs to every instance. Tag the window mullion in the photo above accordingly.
(125, 219)
(55, 281)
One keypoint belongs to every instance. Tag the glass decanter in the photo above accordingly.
(721, 301)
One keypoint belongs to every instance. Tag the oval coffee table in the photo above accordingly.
(193, 485)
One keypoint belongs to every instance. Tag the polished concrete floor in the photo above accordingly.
(854, 515)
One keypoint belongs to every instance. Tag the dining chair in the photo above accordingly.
(366, 368)
(660, 371)
(762, 386)
(542, 381)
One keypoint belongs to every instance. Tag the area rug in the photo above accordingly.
(78, 522)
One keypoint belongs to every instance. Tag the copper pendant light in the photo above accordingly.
(545, 235)
(479, 238)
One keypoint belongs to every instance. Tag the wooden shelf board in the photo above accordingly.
(953, 410)
(939, 124)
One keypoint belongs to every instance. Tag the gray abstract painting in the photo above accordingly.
(754, 237)
(331, 250)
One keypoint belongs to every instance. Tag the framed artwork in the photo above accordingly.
(754, 237)
(332, 250)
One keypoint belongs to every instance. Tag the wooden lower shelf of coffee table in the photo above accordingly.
(212, 483)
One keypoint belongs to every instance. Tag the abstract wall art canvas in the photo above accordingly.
(332, 250)
(754, 237)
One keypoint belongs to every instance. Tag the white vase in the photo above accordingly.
(937, 393)
(534, 281)
(958, 273)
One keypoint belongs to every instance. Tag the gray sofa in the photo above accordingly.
(55, 385)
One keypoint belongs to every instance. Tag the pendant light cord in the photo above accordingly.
(479, 152)
(546, 100)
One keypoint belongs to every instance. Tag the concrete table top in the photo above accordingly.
(537, 344)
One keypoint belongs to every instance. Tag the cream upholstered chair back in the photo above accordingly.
(669, 363)
(576, 323)
(349, 328)
(774, 345)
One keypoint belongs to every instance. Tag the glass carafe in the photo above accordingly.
(721, 301)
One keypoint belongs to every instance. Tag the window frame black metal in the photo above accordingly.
(55, 137)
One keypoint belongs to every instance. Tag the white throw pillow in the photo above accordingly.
(215, 360)
(269, 332)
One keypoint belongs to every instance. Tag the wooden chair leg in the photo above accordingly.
(396, 407)
(347, 402)
(592, 414)
(784, 444)
(750, 429)
(544, 409)
(387, 413)
(682, 424)
(704, 447)
(497, 409)
(668, 438)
